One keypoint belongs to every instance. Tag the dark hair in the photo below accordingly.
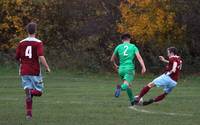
(31, 28)
(173, 50)
(125, 36)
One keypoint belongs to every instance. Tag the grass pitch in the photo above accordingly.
(87, 99)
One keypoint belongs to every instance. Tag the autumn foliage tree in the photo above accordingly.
(153, 27)
(81, 34)
(15, 14)
(76, 34)
(149, 20)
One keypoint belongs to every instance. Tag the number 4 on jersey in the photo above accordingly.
(28, 52)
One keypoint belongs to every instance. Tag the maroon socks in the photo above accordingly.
(160, 97)
(29, 107)
(36, 93)
(29, 101)
(144, 91)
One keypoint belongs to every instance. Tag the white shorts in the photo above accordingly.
(166, 82)
(32, 82)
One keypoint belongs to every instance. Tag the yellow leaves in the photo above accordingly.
(12, 25)
(164, 21)
(19, 2)
(17, 23)
(160, 19)
(120, 28)
(144, 19)
(4, 26)
(144, 3)
(125, 11)
(10, 22)
(140, 3)
(170, 20)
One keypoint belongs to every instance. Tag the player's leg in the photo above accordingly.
(35, 92)
(156, 82)
(160, 97)
(126, 86)
(127, 77)
(117, 90)
(123, 87)
(167, 83)
(168, 87)
(130, 94)
(37, 85)
(145, 90)
(29, 102)
(27, 85)
(118, 86)
(156, 99)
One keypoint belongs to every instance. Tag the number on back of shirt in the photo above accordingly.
(28, 52)
(125, 51)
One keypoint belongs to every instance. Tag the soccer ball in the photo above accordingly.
(140, 101)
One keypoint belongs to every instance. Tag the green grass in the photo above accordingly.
(87, 99)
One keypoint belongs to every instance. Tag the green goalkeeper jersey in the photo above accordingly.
(126, 53)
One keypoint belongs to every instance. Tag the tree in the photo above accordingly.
(15, 14)
(148, 20)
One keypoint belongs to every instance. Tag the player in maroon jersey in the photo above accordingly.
(29, 52)
(168, 80)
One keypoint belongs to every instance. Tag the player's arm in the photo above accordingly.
(20, 69)
(181, 64)
(44, 62)
(139, 58)
(163, 59)
(113, 60)
(40, 54)
(175, 64)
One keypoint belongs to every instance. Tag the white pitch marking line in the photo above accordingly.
(160, 113)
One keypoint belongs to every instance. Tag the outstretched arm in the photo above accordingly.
(139, 58)
(163, 59)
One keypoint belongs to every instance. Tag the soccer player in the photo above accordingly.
(126, 53)
(168, 80)
(29, 53)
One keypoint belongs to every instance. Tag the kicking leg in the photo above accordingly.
(160, 97)
(156, 99)
(165, 82)
(144, 91)
(167, 90)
